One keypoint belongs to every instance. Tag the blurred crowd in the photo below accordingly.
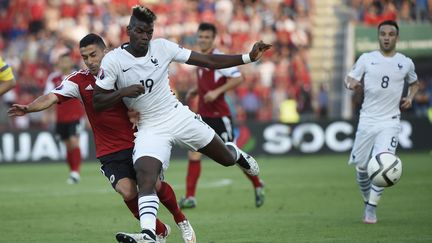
(372, 12)
(34, 33)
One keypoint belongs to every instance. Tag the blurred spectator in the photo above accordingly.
(323, 102)
(422, 100)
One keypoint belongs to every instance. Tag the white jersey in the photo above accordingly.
(121, 69)
(384, 79)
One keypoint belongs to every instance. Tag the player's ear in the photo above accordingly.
(128, 30)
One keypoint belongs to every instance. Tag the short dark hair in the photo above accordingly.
(389, 22)
(207, 26)
(142, 13)
(92, 39)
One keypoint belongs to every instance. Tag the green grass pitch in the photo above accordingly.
(308, 199)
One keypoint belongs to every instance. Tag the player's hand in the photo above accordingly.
(17, 110)
(258, 49)
(133, 117)
(210, 96)
(406, 103)
(133, 91)
(356, 87)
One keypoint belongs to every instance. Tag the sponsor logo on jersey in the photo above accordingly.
(125, 70)
(374, 63)
(89, 87)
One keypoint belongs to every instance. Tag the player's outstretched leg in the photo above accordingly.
(246, 162)
(228, 154)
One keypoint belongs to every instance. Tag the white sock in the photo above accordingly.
(148, 207)
(364, 183)
(375, 195)
(235, 148)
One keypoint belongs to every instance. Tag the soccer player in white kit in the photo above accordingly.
(143, 65)
(381, 76)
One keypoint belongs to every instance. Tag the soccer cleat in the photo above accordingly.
(74, 178)
(370, 214)
(187, 231)
(162, 238)
(135, 237)
(259, 195)
(187, 202)
(246, 162)
(253, 165)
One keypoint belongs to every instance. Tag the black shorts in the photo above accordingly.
(117, 166)
(222, 126)
(67, 129)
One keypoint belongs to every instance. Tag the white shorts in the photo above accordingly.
(181, 127)
(373, 138)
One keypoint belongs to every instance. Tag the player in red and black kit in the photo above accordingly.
(69, 118)
(214, 110)
(113, 133)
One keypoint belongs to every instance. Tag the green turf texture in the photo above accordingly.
(308, 199)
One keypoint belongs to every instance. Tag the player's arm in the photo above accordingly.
(353, 84)
(104, 99)
(412, 90)
(41, 103)
(218, 61)
(229, 85)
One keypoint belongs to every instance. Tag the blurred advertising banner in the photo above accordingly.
(415, 39)
(256, 138)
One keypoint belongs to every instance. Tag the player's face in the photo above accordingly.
(92, 56)
(387, 35)
(205, 40)
(140, 35)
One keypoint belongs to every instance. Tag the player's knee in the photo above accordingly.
(127, 189)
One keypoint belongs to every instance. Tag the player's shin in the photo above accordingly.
(375, 195)
(148, 207)
(364, 183)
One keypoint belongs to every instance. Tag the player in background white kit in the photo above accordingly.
(381, 76)
(143, 65)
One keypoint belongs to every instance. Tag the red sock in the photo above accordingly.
(73, 158)
(168, 198)
(133, 207)
(194, 171)
(254, 179)
(160, 227)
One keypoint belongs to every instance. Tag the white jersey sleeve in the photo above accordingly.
(232, 72)
(67, 89)
(177, 52)
(411, 75)
(358, 69)
(108, 72)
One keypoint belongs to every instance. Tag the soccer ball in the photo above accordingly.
(384, 169)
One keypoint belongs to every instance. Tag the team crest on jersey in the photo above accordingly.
(154, 61)
(101, 74)
(59, 87)
(400, 66)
